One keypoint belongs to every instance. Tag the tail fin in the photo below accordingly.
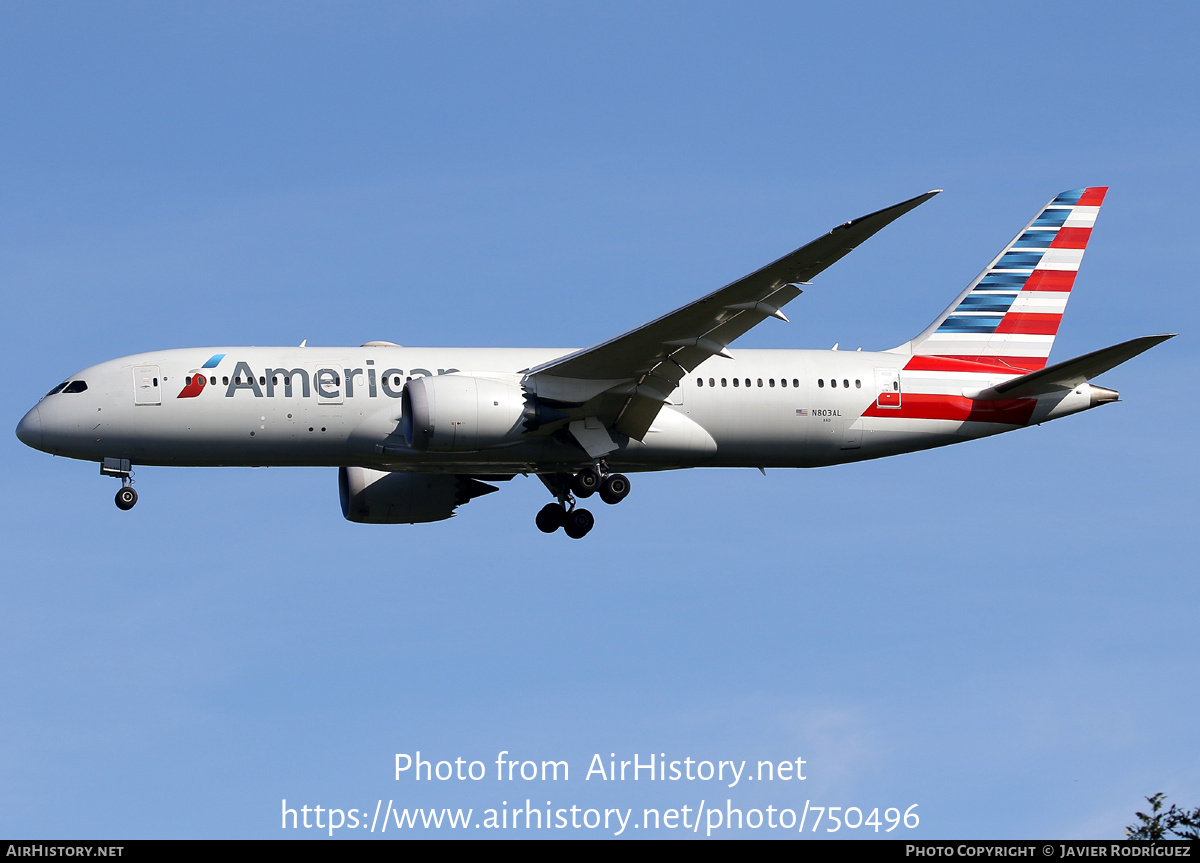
(1009, 315)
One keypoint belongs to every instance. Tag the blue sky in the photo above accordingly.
(1002, 632)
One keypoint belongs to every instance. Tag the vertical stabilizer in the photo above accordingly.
(1010, 314)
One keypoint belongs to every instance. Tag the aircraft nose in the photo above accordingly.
(29, 429)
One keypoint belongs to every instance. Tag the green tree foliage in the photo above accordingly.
(1173, 823)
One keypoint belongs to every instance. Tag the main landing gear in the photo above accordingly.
(575, 521)
(120, 468)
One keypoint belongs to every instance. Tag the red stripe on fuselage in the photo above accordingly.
(958, 364)
(1050, 280)
(929, 406)
(994, 362)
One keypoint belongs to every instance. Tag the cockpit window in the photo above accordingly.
(57, 389)
(75, 387)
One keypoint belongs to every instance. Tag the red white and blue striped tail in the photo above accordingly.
(1009, 315)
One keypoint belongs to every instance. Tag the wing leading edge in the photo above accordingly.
(624, 381)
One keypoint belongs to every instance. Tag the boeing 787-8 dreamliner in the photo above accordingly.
(417, 432)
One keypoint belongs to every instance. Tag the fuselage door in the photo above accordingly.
(328, 384)
(888, 383)
(147, 388)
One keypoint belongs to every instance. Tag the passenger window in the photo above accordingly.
(75, 387)
(771, 381)
(736, 382)
(262, 380)
(225, 380)
(821, 383)
(213, 380)
(760, 382)
(711, 383)
(699, 382)
(846, 384)
(747, 381)
(274, 380)
(796, 382)
(833, 382)
(783, 382)
(858, 384)
(723, 381)
(287, 380)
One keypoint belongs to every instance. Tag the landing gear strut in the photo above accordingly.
(575, 521)
(120, 468)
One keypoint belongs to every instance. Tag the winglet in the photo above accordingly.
(882, 218)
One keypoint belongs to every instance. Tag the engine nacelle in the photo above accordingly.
(463, 413)
(379, 497)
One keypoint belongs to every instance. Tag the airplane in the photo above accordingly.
(417, 432)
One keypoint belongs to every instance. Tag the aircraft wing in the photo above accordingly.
(627, 379)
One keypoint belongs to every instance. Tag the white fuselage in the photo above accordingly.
(342, 406)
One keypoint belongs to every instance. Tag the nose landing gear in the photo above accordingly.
(126, 497)
(120, 468)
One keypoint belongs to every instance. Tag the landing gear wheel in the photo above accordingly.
(551, 517)
(579, 522)
(586, 483)
(126, 498)
(615, 488)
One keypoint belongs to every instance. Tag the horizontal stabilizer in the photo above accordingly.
(1071, 373)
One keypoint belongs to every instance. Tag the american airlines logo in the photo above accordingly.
(327, 383)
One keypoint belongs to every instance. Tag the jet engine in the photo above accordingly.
(379, 497)
(463, 413)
